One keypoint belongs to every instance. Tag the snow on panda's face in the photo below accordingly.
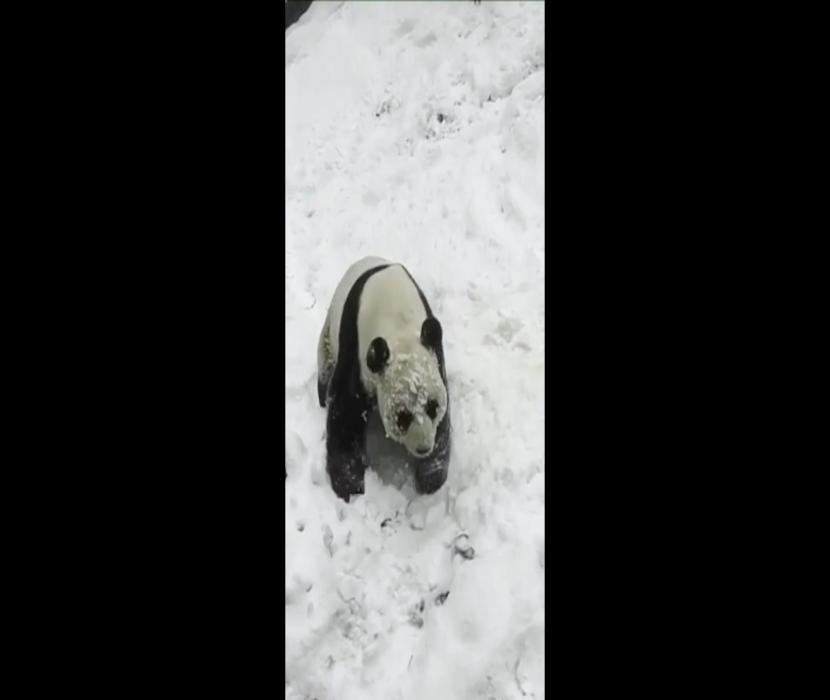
(412, 399)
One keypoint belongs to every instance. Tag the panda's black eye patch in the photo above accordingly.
(432, 408)
(404, 420)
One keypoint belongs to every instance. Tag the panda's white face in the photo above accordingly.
(412, 399)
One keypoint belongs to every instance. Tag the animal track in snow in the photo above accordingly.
(508, 328)
(405, 27)
(426, 40)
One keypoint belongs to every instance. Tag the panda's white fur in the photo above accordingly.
(330, 335)
(390, 308)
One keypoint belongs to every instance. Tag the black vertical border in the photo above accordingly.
(173, 526)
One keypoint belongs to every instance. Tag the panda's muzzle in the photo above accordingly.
(419, 440)
(419, 449)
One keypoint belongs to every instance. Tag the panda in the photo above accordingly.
(381, 350)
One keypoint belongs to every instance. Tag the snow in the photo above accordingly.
(415, 131)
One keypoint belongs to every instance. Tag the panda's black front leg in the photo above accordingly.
(347, 473)
(346, 448)
(431, 473)
(322, 390)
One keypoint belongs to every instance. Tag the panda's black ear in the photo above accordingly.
(377, 355)
(431, 333)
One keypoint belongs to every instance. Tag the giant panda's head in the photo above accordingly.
(412, 398)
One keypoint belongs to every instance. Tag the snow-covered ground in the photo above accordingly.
(415, 131)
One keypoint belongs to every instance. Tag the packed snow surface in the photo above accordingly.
(415, 132)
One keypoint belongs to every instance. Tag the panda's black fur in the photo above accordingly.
(350, 404)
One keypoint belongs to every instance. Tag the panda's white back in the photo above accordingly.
(390, 308)
(338, 301)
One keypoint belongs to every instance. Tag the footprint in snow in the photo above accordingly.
(425, 40)
(405, 27)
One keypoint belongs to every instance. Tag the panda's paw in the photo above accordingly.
(428, 479)
(346, 468)
(346, 490)
(347, 484)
